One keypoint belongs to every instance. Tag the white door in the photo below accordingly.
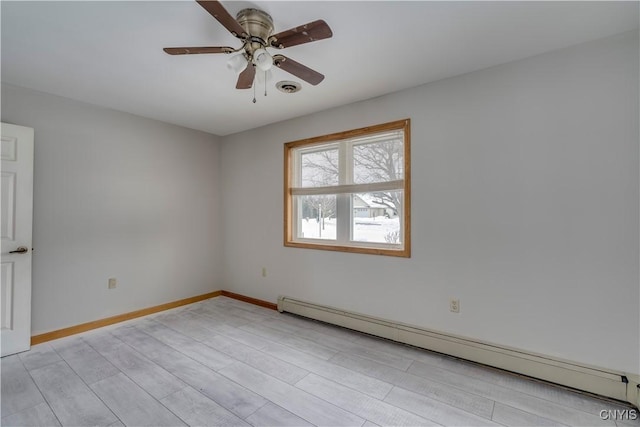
(16, 217)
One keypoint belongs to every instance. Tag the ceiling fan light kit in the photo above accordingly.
(237, 63)
(254, 28)
(262, 59)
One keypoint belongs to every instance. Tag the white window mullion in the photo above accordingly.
(342, 200)
(350, 188)
(343, 225)
(348, 148)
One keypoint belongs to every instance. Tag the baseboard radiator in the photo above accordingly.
(604, 382)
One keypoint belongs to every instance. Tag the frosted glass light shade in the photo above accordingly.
(262, 59)
(237, 63)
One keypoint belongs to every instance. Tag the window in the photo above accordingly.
(349, 191)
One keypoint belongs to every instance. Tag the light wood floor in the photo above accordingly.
(224, 362)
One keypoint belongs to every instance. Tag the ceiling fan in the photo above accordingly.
(254, 28)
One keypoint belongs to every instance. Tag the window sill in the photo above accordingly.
(404, 252)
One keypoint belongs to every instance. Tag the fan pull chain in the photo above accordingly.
(254, 92)
(265, 83)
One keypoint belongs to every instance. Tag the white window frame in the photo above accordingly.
(344, 142)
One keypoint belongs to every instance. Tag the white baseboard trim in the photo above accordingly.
(604, 382)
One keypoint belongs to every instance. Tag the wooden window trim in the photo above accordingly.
(403, 125)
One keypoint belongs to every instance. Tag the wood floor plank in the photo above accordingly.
(40, 355)
(323, 327)
(307, 362)
(351, 347)
(237, 399)
(84, 360)
(237, 334)
(263, 362)
(627, 421)
(399, 349)
(529, 386)
(301, 403)
(188, 346)
(338, 343)
(509, 416)
(132, 404)
(434, 410)
(71, 400)
(183, 323)
(394, 361)
(286, 327)
(39, 415)
(368, 385)
(298, 343)
(197, 410)
(252, 307)
(444, 393)
(220, 316)
(360, 404)
(144, 343)
(212, 321)
(250, 316)
(140, 369)
(303, 322)
(543, 408)
(18, 390)
(273, 415)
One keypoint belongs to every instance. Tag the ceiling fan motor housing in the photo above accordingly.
(257, 24)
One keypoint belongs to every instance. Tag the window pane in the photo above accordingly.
(378, 161)
(317, 218)
(320, 168)
(376, 217)
(346, 191)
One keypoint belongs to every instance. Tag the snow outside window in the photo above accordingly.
(350, 191)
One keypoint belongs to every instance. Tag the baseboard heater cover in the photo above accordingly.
(592, 379)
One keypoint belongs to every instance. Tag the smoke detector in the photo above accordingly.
(287, 86)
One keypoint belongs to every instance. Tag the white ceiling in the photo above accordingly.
(110, 53)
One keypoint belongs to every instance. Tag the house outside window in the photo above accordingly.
(350, 191)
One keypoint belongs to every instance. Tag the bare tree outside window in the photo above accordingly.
(320, 168)
(380, 162)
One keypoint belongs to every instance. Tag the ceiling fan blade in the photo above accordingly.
(245, 79)
(316, 30)
(196, 50)
(218, 11)
(297, 69)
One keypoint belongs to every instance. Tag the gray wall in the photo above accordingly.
(525, 207)
(116, 195)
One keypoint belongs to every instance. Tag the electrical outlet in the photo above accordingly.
(264, 271)
(112, 283)
(454, 305)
